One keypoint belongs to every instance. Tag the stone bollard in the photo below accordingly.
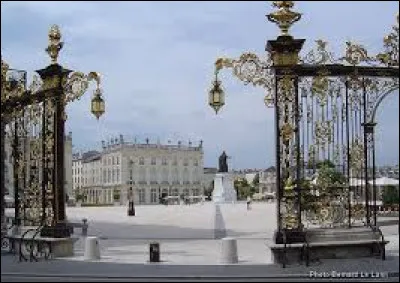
(92, 248)
(229, 252)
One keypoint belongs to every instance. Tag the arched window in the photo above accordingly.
(141, 160)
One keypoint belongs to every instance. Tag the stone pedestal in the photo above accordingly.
(224, 190)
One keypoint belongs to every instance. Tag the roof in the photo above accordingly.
(91, 156)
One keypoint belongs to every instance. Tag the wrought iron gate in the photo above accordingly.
(32, 121)
(324, 115)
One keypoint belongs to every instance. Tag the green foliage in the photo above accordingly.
(325, 164)
(243, 189)
(80, 196)
(256, 180)
(390, 195)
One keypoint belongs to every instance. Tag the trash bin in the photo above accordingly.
(154, 252)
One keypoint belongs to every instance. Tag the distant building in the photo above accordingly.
(150, 170)
(267, 183)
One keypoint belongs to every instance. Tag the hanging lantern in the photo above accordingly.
(216, 98)
(98, 104)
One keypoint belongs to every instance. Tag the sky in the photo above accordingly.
(156, 61)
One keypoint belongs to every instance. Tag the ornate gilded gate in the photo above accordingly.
(32, 121)
(324, 114)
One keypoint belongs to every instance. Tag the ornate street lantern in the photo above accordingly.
(97, 104)
(216, 98)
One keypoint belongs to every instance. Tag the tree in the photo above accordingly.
(390, 195)
(256, 180)
(242, 187)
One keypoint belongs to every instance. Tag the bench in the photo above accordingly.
(29, 244)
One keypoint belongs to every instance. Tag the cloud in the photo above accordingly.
(156, 59)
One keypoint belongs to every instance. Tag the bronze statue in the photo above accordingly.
(223, 165)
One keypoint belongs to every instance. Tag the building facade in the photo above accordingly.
(267, 184)
(149, 171)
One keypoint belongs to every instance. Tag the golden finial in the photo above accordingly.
(55, 43)
(284, 17)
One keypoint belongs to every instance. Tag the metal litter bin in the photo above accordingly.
(154, 252)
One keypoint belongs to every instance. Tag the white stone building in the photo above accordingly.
(267, 184)
(149, 170)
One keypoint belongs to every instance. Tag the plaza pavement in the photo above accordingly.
(190, 236)
(187, 234)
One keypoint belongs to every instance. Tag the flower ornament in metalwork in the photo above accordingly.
(319, 87)
(287, 132)
(319, 55)
(250, 69)
(356, 155)
(323, 132)
(356, 54)
(390, 56)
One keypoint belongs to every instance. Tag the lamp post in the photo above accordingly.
(37, 115)
(131, 203)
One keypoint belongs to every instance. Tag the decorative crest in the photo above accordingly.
(55, 43)
(284, 17)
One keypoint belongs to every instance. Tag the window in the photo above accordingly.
(153, 161)
(141, 161)
(196, 162)
(153, 196)
(117, 160)
(113, 176)
(175, 161)
(113, 160)
(175, 192)
(185, 162)
(109, 176)
(142, 196)
(117, 175)
(196, 192)
(186, 192)
(164, 161)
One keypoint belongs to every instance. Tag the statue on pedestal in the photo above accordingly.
(223, 165)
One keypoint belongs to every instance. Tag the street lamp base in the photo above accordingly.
(131, 209)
